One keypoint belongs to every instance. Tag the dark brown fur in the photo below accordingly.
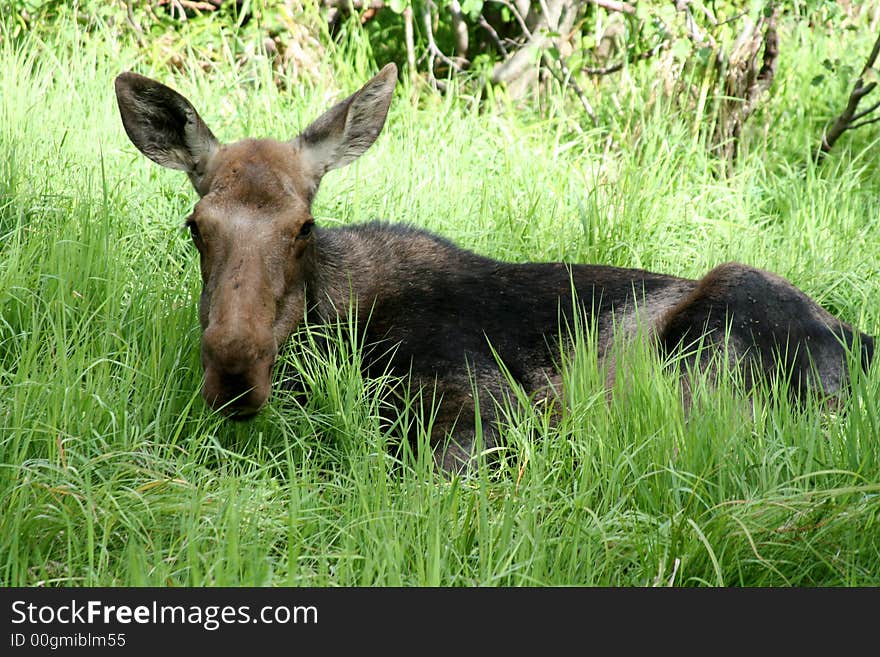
(438, 315)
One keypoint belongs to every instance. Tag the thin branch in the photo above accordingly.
(515, 12)
(433, 51)
(138, 30)
(875, 51)
(732, 19)
(568, 78)
(614, 68)
(614, 5)
(354, 4)
(428, 18)
(493, 35)
(410, 42)
(460, 29)
(865, 113)
(868, 122)
(177, 7)
(847, 120)
(694, 32)
(335, 7)
(864, 91)
(181, 6)
(768, 67)
(514, 65)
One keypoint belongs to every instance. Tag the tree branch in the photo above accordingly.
(433, 51)
(410, 42)
(460, 29)
(614, 68)
(567, 79)
(614, 5)
(767, 72)
(847, 120)
(744, 80)
(493, 35)
(138, 30)
(868, 122)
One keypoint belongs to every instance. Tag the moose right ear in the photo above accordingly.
(349, 128)
(164, 125)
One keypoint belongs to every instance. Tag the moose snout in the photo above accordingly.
(238, 370)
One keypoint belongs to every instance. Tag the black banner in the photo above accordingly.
(136, 620)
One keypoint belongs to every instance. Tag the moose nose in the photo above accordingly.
(239, 396)
(238, 370)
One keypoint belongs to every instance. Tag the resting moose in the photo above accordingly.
(439, 316)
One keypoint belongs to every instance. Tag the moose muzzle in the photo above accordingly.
(238, 369)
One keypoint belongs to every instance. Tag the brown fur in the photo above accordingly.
(440, 317)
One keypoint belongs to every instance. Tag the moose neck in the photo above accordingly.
(365, 262)
(342, 275)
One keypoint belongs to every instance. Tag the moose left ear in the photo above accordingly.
(349, 128)
(164, 125)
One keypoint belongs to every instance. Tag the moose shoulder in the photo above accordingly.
(438, 315)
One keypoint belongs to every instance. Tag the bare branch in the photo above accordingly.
(538, 40)
(410, 42)
(181, 6)
(433, 51)
(745, 80)
(865, 113)
(767, 72)
(335, 7)
(354, 4)
(512, 67)
(848, 119)
(614, 68)
(875, 51)
(567, 79)
(615, 5)
(492, 34)
(868, 122)
(518, 16)
(138, 30)
(864, 91)
(460, 29)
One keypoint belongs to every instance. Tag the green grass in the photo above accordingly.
(113, 472)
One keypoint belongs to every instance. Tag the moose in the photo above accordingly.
(440, 317)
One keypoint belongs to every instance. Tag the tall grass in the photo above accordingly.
(113, 472)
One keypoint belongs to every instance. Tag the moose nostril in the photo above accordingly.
(241, 414)
(239, 406)
(238, 396)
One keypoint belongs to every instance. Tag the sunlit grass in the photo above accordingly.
(113, 472)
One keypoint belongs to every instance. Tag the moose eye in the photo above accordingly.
(306, 230)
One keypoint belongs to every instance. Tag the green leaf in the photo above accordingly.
(472, 7)
(681, 49)
(397, 6)
(817, 80)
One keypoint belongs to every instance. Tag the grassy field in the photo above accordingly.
(113, 471)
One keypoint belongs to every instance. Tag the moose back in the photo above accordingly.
(439, 316)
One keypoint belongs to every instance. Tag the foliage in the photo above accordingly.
(113, 472)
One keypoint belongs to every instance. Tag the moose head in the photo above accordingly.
(252, 224)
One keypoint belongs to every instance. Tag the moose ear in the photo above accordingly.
(348, 128)
(164, 125)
